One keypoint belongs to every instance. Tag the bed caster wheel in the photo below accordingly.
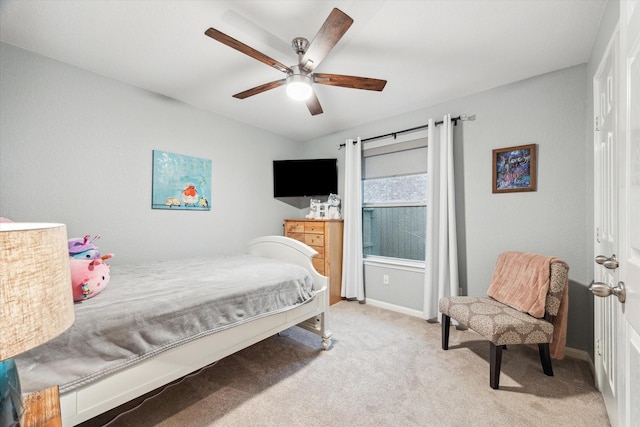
(326, 343)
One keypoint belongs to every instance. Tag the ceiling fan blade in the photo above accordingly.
(247, 50)
(353, 82)
(314, 105)
(259, 89)
(329, 34)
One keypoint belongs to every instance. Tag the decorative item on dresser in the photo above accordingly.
(325, 236)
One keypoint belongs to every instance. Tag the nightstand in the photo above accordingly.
(42, 408)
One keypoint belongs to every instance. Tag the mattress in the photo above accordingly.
(147, 309)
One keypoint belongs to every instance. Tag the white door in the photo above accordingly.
(618, 315)
(629, 210)
(606, 310)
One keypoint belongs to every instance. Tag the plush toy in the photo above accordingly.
(89, 273)
(313, 209)
(89, 277)
(333, 207)
(83, 248)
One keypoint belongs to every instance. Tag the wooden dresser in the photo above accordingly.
(325, 236)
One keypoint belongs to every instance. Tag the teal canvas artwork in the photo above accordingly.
(180, 182)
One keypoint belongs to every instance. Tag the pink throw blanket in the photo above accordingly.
(521, 280)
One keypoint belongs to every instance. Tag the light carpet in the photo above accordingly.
(383, 369)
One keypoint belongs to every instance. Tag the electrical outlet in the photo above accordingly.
(385, 279)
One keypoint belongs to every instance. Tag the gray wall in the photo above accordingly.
(547, 110)
(75, 147)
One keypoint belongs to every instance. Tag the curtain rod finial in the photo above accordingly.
(468, 117)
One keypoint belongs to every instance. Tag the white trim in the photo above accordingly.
(396, 308)
(577, 354)
(394, 204)
(582, 355)
(394, 263)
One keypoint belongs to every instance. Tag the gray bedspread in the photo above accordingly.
(146, 309)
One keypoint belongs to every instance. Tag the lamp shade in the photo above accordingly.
(36, 301)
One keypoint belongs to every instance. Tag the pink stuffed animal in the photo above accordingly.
(89, 277)
(83, 248)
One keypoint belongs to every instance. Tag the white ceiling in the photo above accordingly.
(428, 51)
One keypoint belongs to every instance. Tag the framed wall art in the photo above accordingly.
(180, 182)
(514, 169)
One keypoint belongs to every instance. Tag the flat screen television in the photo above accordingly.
(305, 178)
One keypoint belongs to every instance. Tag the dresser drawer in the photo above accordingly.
(294, 227)
(314, 239)
(314, 227)
(298, 236)
(320, 250)
(318, 264)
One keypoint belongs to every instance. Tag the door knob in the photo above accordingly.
(603, 290)
(610, 263)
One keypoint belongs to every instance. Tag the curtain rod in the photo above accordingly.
(455, 120)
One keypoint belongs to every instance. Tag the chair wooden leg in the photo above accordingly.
(545, 358)
(446, 324)
(495, 360)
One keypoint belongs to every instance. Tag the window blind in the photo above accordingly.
(403, 158)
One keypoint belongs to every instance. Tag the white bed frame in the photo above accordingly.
(109, 392)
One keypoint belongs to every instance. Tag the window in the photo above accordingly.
(394, 198)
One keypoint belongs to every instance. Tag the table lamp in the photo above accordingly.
(36, 302)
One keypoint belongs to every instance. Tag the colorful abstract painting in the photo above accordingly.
(180, 182)
(514, 169)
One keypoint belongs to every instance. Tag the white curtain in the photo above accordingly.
(352, 267)
(441, 264)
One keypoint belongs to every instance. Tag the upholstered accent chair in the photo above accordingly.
(526, 304)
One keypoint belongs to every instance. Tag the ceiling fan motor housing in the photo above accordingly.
(300, 45)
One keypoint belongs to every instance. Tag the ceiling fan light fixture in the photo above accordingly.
(300, 77)
(299, 87)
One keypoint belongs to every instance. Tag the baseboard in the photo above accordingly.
(577, 354)
(396, 308)
(581, 355)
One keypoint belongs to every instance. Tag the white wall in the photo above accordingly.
(76, 148)
(547, 110)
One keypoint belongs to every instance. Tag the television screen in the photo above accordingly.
(305, 178)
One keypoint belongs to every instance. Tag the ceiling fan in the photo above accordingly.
(300, 77)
